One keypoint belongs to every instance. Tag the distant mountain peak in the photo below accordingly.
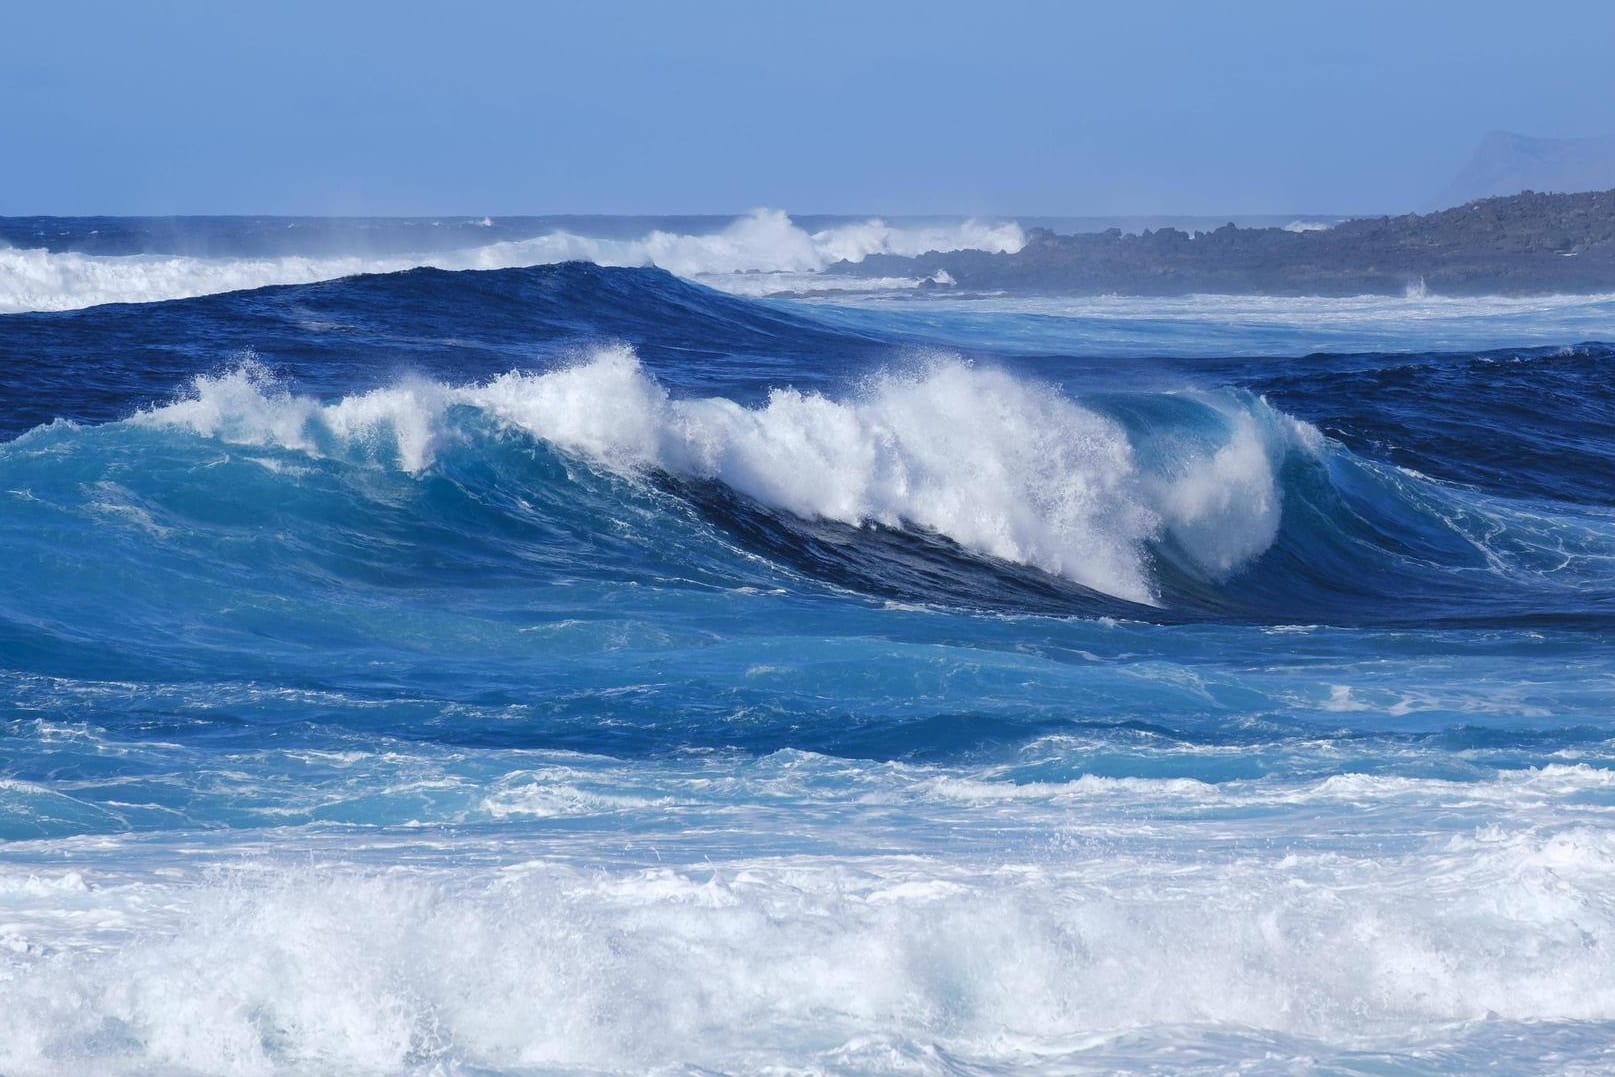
(1506, 163)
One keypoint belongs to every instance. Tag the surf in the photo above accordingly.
(765, 241)
(1001, 466)
(941, 481)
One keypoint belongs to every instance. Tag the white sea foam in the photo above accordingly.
(800, 961)
(1218, 325)
(244, 406)
(1001, 465)
(765, 241)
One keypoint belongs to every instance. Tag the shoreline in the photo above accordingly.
(1522, 245)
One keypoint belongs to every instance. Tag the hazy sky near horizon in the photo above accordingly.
(707, 107)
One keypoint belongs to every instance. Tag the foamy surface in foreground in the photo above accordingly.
(730, 914)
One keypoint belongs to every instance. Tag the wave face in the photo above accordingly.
(40, 278)
(577, 667)
(1002, 468)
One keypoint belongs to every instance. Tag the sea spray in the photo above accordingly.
(1000, 465)
(766, 241)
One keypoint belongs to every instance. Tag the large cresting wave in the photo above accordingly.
(1002, 466)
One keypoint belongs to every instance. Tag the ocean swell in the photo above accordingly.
(765, 241)
(1003, 466)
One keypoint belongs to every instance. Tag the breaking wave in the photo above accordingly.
(766, 241)
(1000, 465)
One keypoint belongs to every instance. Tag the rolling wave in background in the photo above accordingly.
(765, 242)
(577, 668)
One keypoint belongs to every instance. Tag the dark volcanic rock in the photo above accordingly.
(1521, 245)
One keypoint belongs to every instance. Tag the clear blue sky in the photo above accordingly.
(877, 106)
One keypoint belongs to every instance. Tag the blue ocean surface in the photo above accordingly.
(412, 660)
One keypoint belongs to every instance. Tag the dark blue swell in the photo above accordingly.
(1507, 520)
(1532, 423)
(342, 336)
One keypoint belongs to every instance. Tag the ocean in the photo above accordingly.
(469, 646)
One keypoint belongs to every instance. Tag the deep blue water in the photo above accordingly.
(578, 667)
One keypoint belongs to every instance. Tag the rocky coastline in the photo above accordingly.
(1524, 244)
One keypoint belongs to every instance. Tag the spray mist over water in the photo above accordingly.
(1000, 465)
(765, 241)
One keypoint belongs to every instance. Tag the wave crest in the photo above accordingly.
(1000, 465)
(764, 241)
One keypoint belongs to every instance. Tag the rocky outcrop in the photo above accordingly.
(1525, 244)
